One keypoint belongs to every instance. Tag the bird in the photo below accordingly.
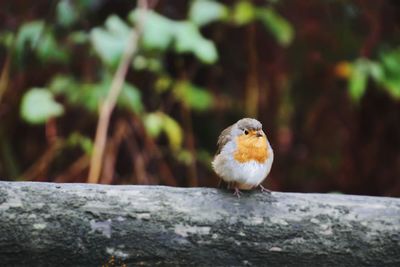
(244, 156)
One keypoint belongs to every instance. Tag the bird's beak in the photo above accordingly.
(259, 133)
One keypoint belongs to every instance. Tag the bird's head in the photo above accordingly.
(248, 128)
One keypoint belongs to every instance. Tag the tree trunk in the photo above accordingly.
(44, 224)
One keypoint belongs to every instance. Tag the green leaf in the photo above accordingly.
(391, 70)
(117, 26)
(277, 25)
(61, 84)
(84, 142)
(158, 31)
(187, 36)
(130, 98)
(173, 131)
(154, 65)
(203, 12)
(41, 41)
(244, 12)
(384, 73)
(38, 106)
(189, 39)
(86, 95)
(106, 46)
(393, 87)
(109, 42)
(140, 62)
(205, 51)
(89, 95)
(28, 35)
(49, 49)
(147, 63)
(158, 122)
(7, 38)
(358, 81)
(153, 123)
(185, 156)
(66, 13)
(74, 92)
(193, 97)
(391, 61)
(163, 83)
(376, 71)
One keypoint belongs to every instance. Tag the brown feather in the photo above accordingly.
(223, 138)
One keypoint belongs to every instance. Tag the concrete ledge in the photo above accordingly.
(45, 224)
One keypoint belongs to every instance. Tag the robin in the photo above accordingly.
(244, 156)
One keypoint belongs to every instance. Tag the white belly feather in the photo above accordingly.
(250, 173)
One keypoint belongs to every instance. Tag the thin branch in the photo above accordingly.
(192, 168)
(116, 86)
(5, 75)
(74, 172)
(38, 170)
(111, 152)
(163, 172)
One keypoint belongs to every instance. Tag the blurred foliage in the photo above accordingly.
(198, 65)
(89, 95)
(38, 106)
(159, 122)
(245, 12)
(383, 72)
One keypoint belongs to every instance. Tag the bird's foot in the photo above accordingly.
(237, 192)
(263, 189)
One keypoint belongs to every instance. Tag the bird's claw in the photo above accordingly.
(263, 189)
(237, 192)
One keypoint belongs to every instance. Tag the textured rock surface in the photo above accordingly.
(43, 224)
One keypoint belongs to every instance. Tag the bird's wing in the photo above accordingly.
(224, 138)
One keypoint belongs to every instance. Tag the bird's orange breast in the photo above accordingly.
(250, 147)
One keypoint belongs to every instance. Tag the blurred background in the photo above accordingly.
(323, 76)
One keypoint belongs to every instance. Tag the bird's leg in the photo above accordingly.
(237, 192)
(263, 189)
(219, 183)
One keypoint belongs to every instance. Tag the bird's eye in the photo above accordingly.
(246, 132)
